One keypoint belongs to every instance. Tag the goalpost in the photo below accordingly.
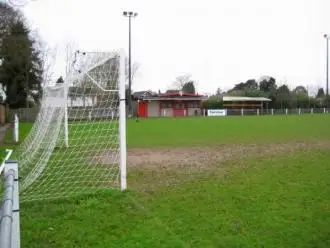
(77, 144)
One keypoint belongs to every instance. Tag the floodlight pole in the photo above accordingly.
(129, 14)
(327, 38)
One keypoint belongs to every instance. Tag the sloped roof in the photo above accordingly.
(245, 98)
(179, 94)
(174, 98)
(141, 94)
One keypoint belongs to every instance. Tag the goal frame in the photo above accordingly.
(122, 116)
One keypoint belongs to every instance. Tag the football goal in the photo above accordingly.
(77, 144)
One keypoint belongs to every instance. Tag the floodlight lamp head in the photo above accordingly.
(326, 36)
(130, 13)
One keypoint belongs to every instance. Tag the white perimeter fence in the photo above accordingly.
(9, 212)
(244, 112)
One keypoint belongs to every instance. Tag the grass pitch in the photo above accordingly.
(223, 130)
(280, 200)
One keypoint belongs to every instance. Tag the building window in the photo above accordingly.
(166, 105)
(193, 105)
(179, 106)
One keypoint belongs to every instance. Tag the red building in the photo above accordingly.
(172, 103)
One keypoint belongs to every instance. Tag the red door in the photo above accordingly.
(143, 109)
(179, 109)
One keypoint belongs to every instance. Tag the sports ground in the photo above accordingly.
(258, 181)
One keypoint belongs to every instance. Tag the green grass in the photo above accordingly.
(274, 202)
(223, 130)
(24, 130)
(218, 130)
(279, 201)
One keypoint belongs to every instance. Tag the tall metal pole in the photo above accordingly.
(129, 14)
(327, 37)
(129, 67)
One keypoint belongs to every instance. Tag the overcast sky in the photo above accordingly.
(220, 43)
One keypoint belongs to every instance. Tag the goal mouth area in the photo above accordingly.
(78, 143)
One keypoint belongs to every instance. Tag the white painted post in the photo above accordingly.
(16, 129)
(324, 110)
(286, 111)
(164, 112)
(272, 111)
(299, 111)
(122, 122)
(242, 112)
(258, 112)
(90, 115)
(312, 111)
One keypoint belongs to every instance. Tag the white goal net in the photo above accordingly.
(77, 144)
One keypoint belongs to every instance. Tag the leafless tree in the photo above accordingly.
(135, 68)
(181, 80)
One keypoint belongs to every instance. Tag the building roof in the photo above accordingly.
(179, 93)
(142, 94)
(169, 95)
(245, 99)
(199, 98)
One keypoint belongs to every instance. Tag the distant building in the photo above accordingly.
(169, 104)
(239, 102)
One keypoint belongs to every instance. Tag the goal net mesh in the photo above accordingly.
(73, 146)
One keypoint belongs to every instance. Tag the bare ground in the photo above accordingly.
(203, 157)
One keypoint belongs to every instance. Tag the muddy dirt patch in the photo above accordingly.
(208, 156)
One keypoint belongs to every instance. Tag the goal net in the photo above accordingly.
(77, 144)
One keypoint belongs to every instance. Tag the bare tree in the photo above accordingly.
(69, 49)
(181, 80)
(135, 67)
(48, 59)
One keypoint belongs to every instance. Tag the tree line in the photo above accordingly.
(281, 96)
(21, 62)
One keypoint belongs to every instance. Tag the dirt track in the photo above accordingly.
(208, 156)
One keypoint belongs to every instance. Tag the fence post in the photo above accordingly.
(258, 112)
(242, 111)
(312, 110)
(324, 110)
(10, 223)
(299, 111)
(272, 111)
(16, 129)
(286, 111)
